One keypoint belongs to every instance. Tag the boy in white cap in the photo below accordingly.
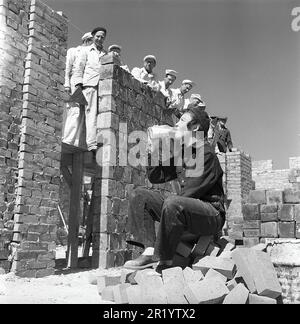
(116, 49)
(73, 118)
(196, 101)
(146, 74)
(164, 85)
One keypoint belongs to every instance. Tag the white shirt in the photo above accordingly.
(72, 54)
(162, 88)
(142, 75)
(177, 99)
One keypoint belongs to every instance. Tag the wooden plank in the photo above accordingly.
(89, 225)
(67, 175)
(77, 175)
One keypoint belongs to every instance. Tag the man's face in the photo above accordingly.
(222, 122)
(170, 79)
(195, 101)
(185, 88)
(116, 51)
(99, 38)
(149, 65)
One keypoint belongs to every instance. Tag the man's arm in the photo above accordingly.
(161, 174)
(69, 63)
(79, 68)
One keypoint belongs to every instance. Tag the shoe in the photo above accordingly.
(141, 262)
(161, 267)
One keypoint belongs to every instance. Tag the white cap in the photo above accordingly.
(150, 57)
(188, 82)
(171, 72)
(111, 47)
(198, 96)
(87, 36)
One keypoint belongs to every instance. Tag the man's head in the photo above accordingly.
(186, 86)
(116, 49)
(99, 35)
(87, 39)
(194, 119)
(196, 100)
(149, 63)
(170, 77)
(222, 121)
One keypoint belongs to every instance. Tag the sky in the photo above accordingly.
(243, 55)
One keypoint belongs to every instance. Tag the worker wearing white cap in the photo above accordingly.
(164, 85)
(73, 116)
(117, 49)
(146, 74)
(178, 101)
(196, 101)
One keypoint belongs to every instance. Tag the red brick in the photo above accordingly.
(269, 217)
(222, 265)
(286, 212)
(297, 213)
(251, 224)
(238, 295)
(153, 291)
(257, 197)
(251, 232)
(173, 274)
(120, 294)
(142, 275)
(134, 294)
(107, 294)
(291, 196)
(251, 212)
(274, 197)
(105, 281)
(297, 231)
(207, 291)
(212, 250)
(174, 283)
(244, 267)
(191, 276)
(255, 299)
(260, 247)
(127, 276)
(250, 241)
(271, 208)
(211, 274)
(269, 229)
(286, 229)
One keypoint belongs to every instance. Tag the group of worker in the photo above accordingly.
(83, 71)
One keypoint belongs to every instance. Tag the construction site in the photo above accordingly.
(64, 217)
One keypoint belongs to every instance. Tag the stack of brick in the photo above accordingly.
(241, 276)
(125, 105)
(237, 182)
(13, 50)
(33, 49)
(271, 214)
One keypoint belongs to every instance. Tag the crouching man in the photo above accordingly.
(199, 209)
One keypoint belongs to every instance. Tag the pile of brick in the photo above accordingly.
(271, 214)
(234, 276)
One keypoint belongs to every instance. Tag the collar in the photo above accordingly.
(93, 47)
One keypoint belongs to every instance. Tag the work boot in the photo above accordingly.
(141, 262)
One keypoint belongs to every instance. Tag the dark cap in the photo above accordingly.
(95, 30)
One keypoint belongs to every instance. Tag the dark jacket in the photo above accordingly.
(222, 138)
(207, 186)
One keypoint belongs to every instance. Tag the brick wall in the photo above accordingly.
(33, 46)
(121, 99)
(266, 177)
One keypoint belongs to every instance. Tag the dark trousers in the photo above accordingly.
(175, 215)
